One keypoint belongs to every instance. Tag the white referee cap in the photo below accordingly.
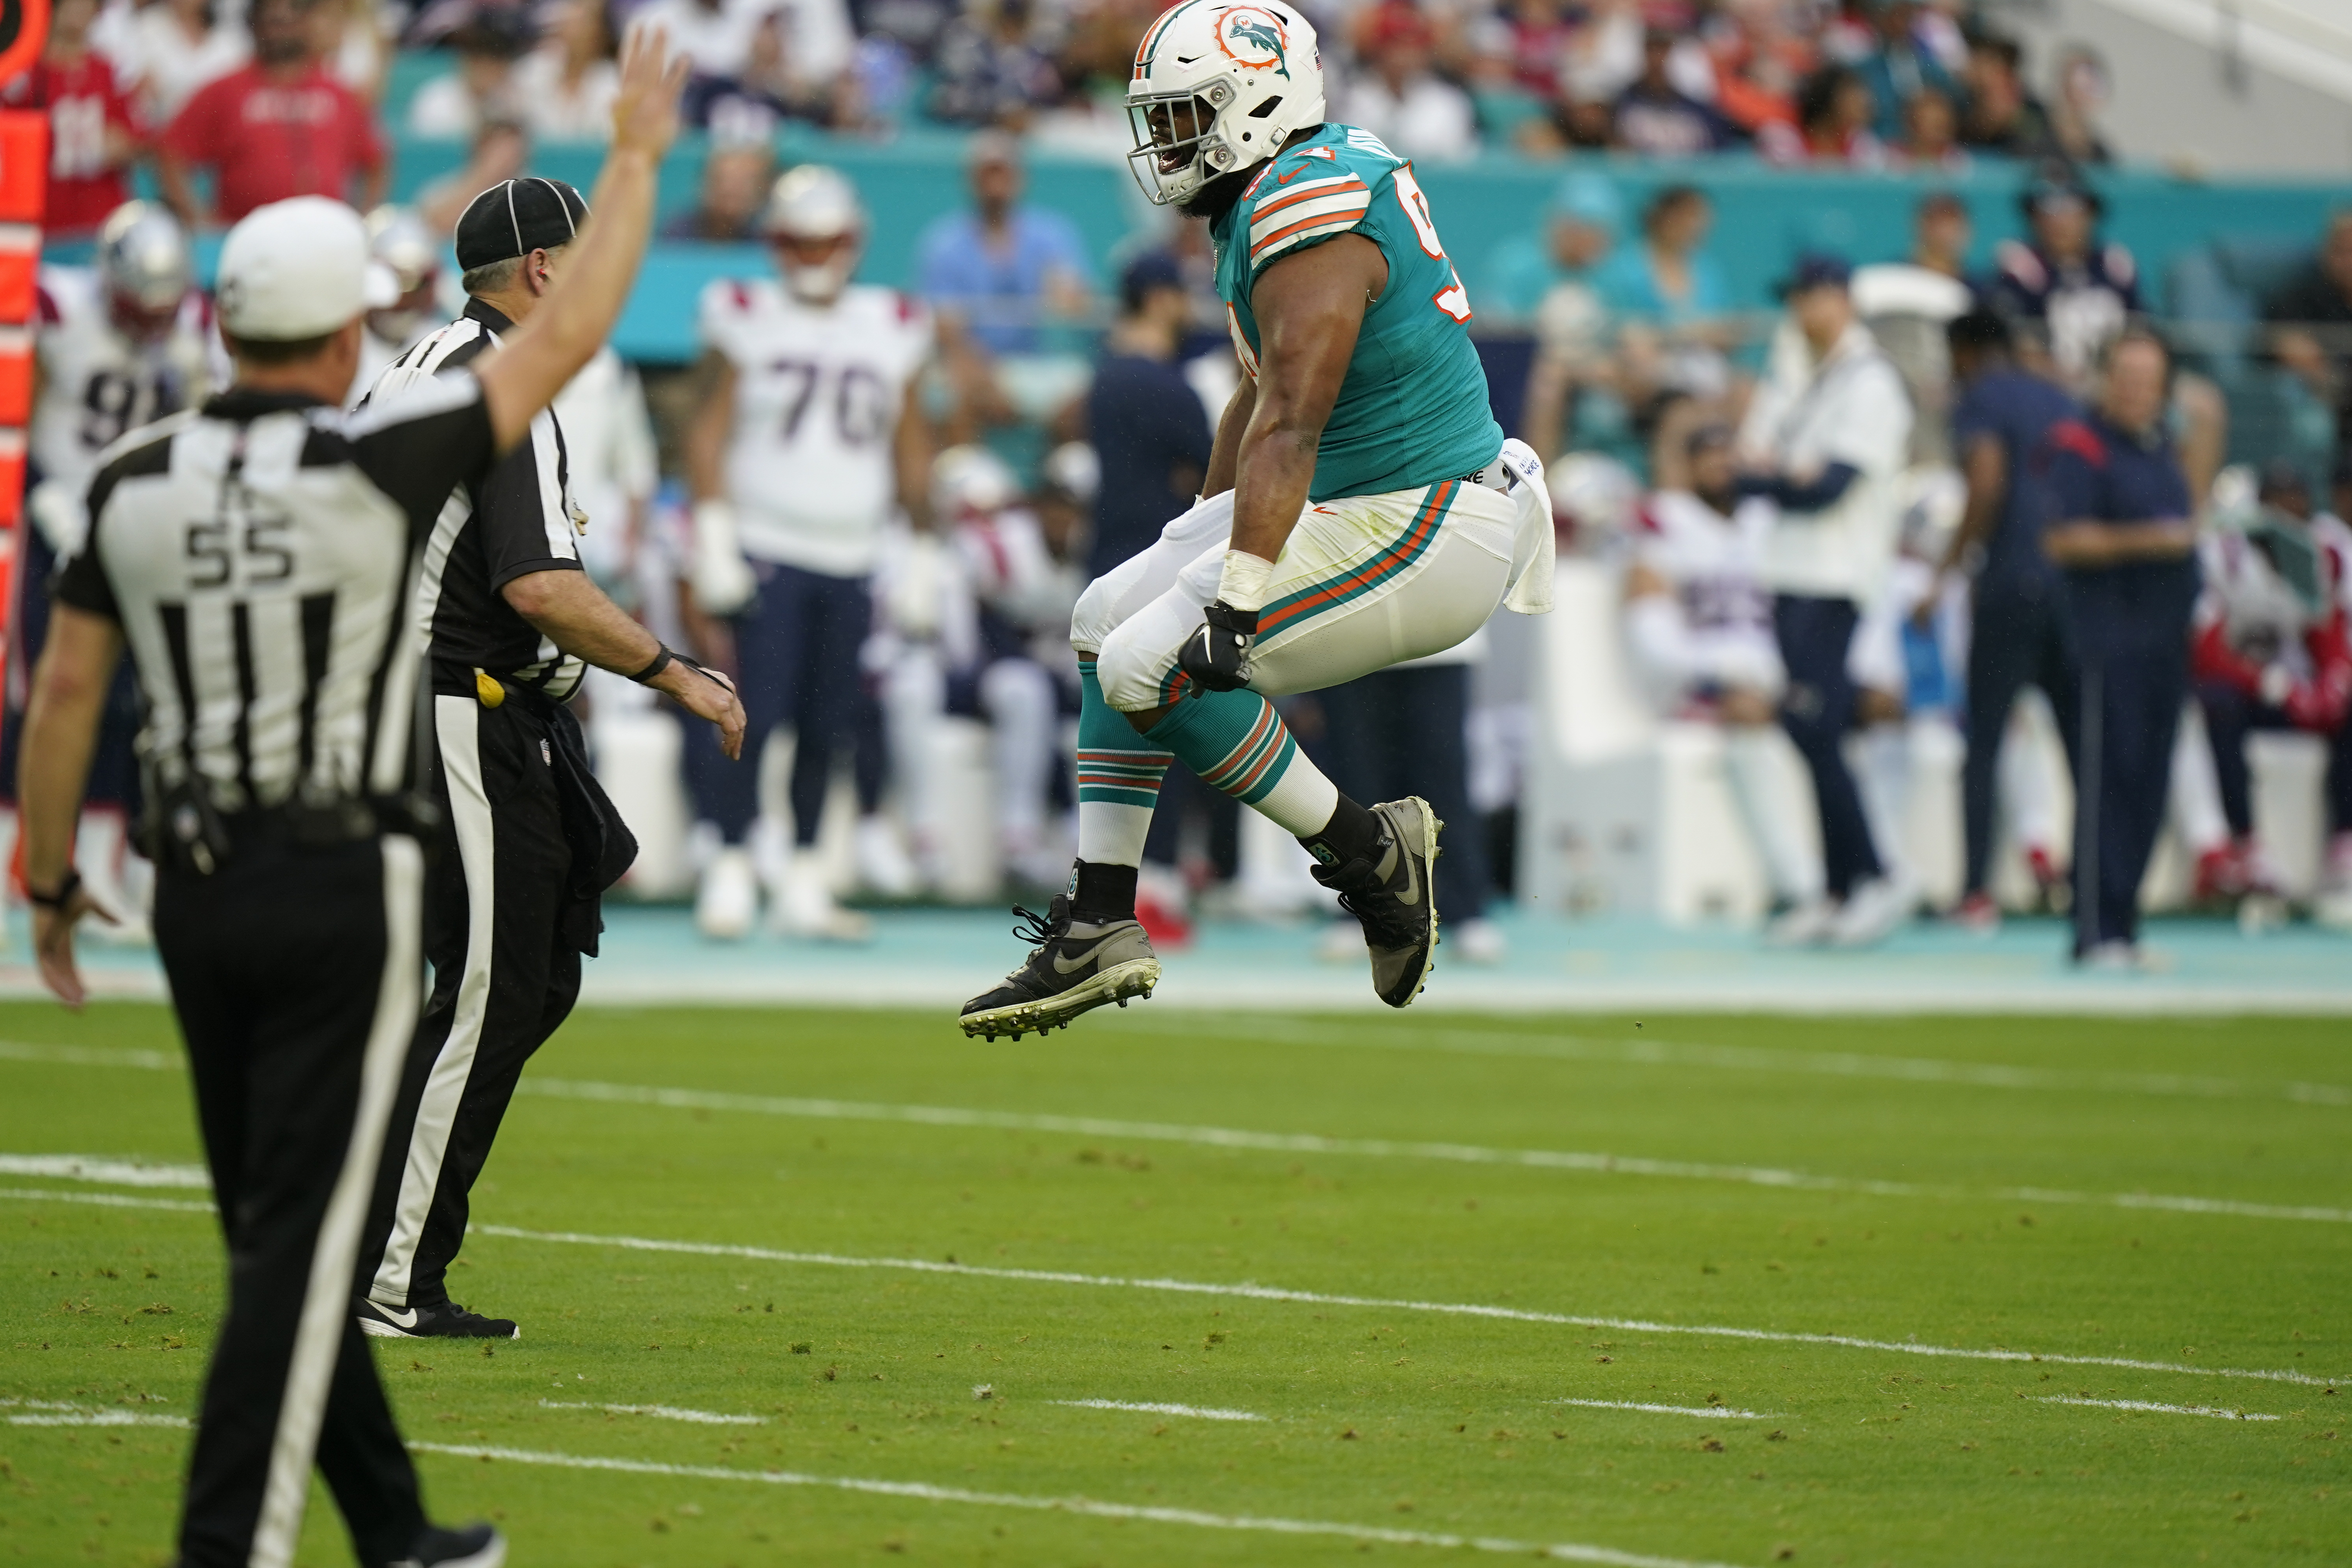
(297, 268)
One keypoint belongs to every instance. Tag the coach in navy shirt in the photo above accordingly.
(1145, 422)
(2017, 633)
(2120, 531)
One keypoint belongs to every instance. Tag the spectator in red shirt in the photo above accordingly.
(95, 132)
(281, 127)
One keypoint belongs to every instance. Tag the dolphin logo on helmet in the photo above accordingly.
(1254, 38)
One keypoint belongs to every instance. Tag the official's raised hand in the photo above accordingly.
(645, 112)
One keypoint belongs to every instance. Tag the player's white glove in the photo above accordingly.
(56, 511)
(720, 578)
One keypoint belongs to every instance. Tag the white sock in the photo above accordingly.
(1885, 781)
(1018, 698)
(2197, 788)
(2023, 777)
(1759, 783)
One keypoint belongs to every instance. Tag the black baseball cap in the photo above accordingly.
(515, 217)
(1817, 269)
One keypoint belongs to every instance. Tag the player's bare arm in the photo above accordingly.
(1224, 450)
(910, 452)
(68, 700)
(707, 432)
(1309, 307)
(523, 375)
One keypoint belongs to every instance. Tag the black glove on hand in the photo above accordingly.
(1217, 657)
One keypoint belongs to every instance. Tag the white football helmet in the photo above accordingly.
(1219, 87)
(405, 248)
(970, 481)
(814, 202)
(143, 258)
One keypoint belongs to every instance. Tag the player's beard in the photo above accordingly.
(1215, 199)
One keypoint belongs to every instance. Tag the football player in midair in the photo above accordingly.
(1361, 508)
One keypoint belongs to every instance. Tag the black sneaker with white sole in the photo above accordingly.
(475, 1546)
(1079, 966)
(447, 1320)
(1391, 895)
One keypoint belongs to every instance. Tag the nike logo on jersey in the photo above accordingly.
(1322, 152)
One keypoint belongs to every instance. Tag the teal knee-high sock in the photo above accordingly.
(1118, 778)
(1238, 744)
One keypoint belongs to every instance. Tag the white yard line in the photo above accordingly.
(1388, 1149)
(1565, 1047)
(1204, 1412)
(1464, 1153)
(1246, 1290)
(1747, 1058)
(97, 1418)
(1721, 1412)
(91, 1056)
(921, 1491)
(2160, 1409)
(106, 1170)
(1269, 1293)
(109, 1200)
(664, 1412)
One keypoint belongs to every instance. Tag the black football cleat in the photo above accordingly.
(475, 1546)
(447, 1320)
(1079, 966)
(1391, 895)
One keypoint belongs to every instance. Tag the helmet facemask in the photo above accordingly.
(1177, 147)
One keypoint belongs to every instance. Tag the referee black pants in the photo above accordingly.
(295, 976)
(504, 979)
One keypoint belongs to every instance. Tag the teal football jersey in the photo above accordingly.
(1412, 410)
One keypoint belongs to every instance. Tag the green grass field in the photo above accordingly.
(1926, 1186)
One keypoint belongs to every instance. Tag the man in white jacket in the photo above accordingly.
(1825, 440)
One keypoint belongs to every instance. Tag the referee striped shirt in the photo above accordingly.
(260, 556)
(513, 520)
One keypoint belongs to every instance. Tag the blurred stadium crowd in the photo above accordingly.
(1858, 526)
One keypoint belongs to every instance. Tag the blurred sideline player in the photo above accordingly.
(1698, 619)
(2270, 651)
(996, 588)
(119, 344)
(410, 254)
(1359, 514)
(810, 438)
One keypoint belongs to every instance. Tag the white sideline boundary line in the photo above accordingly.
(1719, 1412)
(923, 1491)
(1202, 1412)
(1246, 1290)
(2214, 1411)
(662, 1412)
(1747, 1058)
(90, 1056)
(1388, 1149)
(126, 1171)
